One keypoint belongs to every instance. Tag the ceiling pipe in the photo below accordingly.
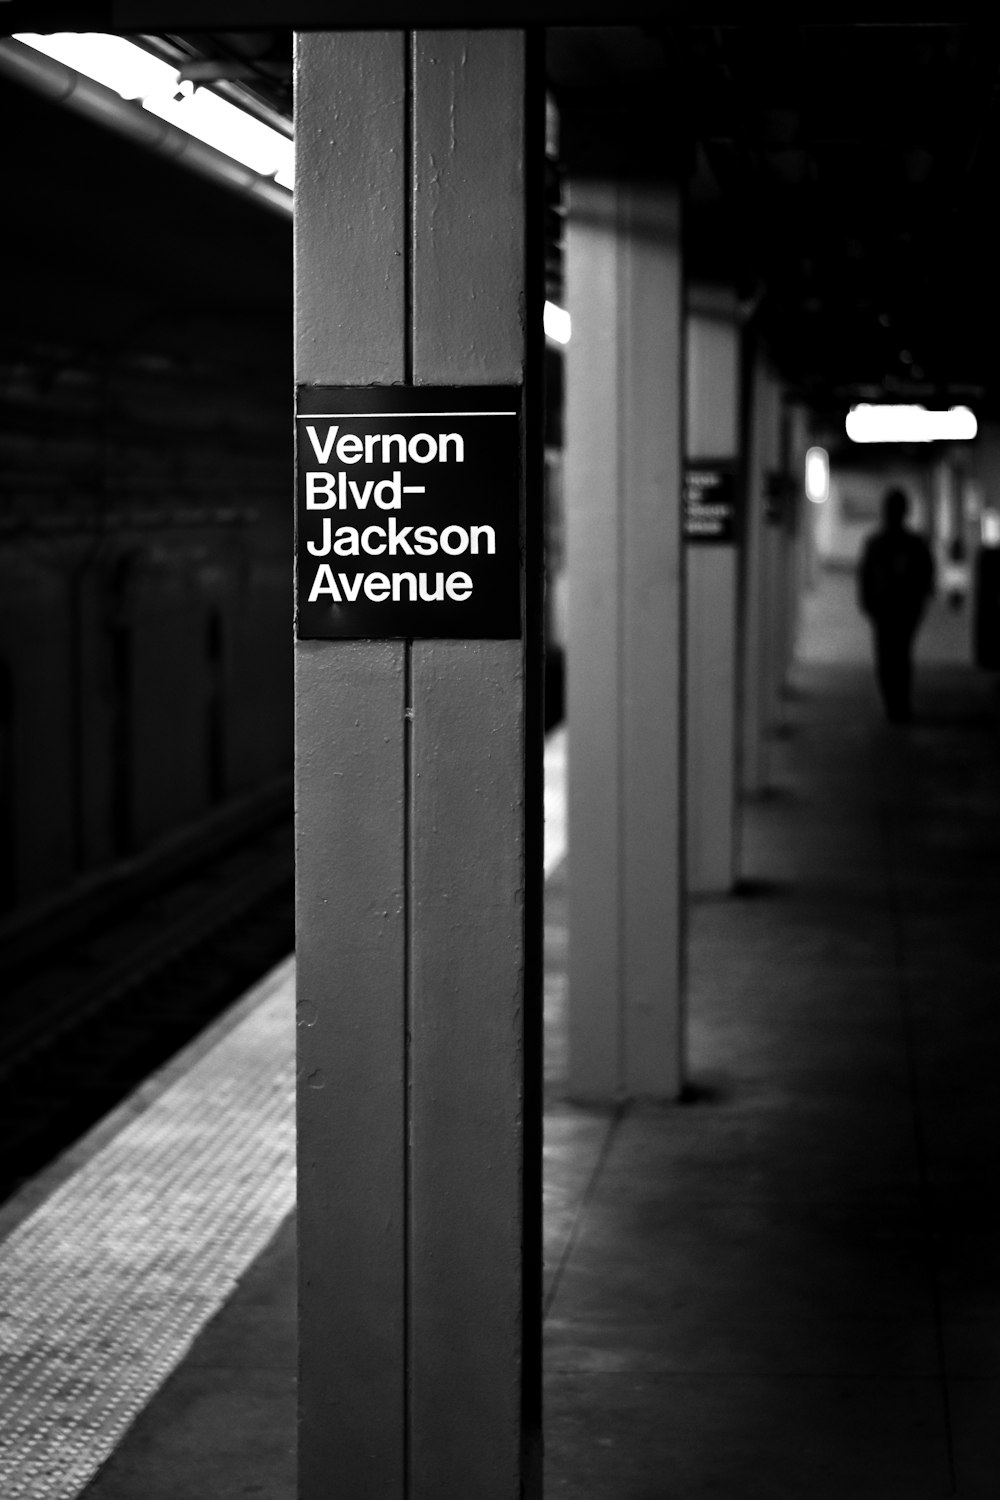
(64, 85)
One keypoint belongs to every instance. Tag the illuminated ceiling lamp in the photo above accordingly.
(909, 424)
(817, 475)
(558, 326)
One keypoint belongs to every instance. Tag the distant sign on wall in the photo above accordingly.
(408, 512)
(709, 503)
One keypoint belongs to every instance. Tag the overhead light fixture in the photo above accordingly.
(136, 75)
(817, 475)
(909, 424)
(558, 326)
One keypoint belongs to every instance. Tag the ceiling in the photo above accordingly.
(840, 176)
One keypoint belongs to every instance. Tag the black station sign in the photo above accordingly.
(709, 503)
(408, 512)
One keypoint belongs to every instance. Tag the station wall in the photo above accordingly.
(144, 609)
(145, 502)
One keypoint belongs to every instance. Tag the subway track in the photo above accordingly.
(131, 975)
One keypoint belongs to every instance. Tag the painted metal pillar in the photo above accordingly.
(624, 444)
(944, 489)
(419, 813)
(799, 530)
(759, 581)
(779, 516)
(712, 424)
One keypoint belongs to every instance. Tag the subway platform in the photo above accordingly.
(788, 1285)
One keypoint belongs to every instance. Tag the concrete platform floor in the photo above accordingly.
(789, 1287)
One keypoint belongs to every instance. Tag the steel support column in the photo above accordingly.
(418, 814)
(761, 583)
(624, 651)
(712, 421)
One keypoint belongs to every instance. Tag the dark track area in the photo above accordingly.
(145, 676)
(110, 985)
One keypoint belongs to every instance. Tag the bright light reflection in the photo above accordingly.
(558, 326)
(990, 528)
(818, 475)
(909, 424)
(136, 75)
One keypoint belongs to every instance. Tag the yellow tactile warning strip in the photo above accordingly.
(105, 1285)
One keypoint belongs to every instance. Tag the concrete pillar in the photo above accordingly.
(799, 527)
(945, 521)
(624, 654)
(780, 516)
(984, 463)
(811, 434)
(760, 566)
(711, 579)
(419, 813)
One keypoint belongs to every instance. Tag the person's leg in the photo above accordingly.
(893, 668)
(883, 663)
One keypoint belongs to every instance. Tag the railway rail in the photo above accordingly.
(105, 987)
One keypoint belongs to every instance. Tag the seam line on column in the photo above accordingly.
(623, 309)
(407, 1082)
(409, 192)
(409, 215)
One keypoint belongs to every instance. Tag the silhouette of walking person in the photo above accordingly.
(895, 582)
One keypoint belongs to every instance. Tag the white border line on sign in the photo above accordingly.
(312, 416)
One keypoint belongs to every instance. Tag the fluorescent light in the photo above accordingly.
(136, 74)
(558, 326)
(118, 64)
(818, 475)
(909, 424)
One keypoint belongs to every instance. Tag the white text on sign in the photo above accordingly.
(395, 483)
(336, 491)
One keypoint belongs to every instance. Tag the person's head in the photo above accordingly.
(894, 507)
